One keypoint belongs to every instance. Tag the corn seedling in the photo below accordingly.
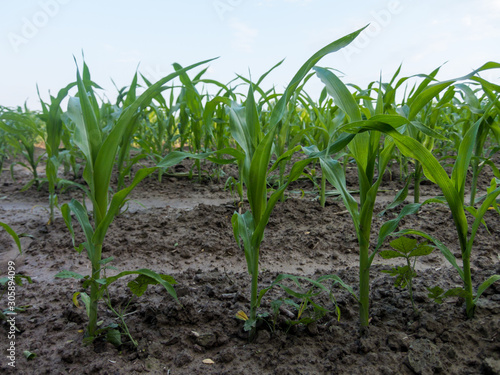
(13, 234)
(100, 151)
(245, 126)
(23, 132)
(488, 126)
(366, 148)
(54, 127)
(453, 187)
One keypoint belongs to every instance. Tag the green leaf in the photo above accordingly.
(140, 284)
(69, 274)
(390, 226)
(404, 244)
(432, 169)
(252, 119)
(12, 234)
(116, 203)
(486, 285)
(106, 261)
(90, 131)
(249, 324)
(243, 230)
(428, 131)
(83, 218)
(435, 293)
(390, 254)
(18, 279)
(426, 96)
(339, 92)
(114, 337)
(106, 158)
(175, 157)
(280, 108)
(487, 203)
(439, 295)
(398, 199)
(149, 273)
(335, 175)
(444, 250)
(459, 173)
(455, 292)
(422, 250)
(392, 272)
(29, 355)
(257, 178)
(86, 301)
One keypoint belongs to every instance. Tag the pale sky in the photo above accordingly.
(38, 39)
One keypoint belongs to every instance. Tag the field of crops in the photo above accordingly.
(250, 231)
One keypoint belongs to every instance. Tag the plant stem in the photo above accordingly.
(322, 196)
(94, 291)
(253, 292)
(364, 281)
(473, 187)
(410, 283)
(120, 316)
(198, 167)
(52, 197)
(469, 302)
(418, 178)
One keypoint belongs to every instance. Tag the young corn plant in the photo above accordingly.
(453, 187)
(488, 127)
(13, 234)
(22, 132)
(51, 115)
(124, 161)
(100, 152)
(322, 132)
(256, 150)
(367, 149)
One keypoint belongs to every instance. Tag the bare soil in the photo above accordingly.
(182, 227)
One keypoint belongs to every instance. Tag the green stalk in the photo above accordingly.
(198, 167)
(473, 188)
(94, 291)
(469, 301)
(100, 152)
(282, 179)
(52, 199)
(365, 224)
(364, 279)
(254, 292)
(410, 281)
(322, 195)
(418, 179)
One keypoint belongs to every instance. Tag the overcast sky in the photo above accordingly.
(38, 39)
